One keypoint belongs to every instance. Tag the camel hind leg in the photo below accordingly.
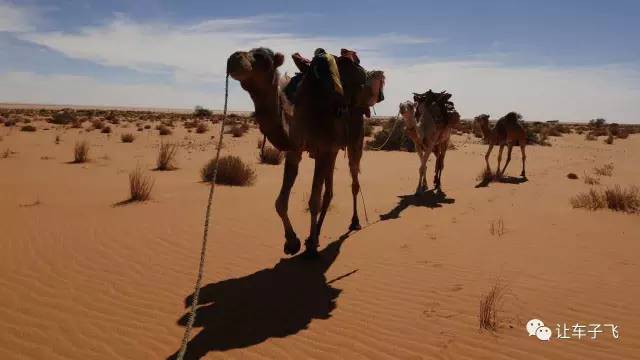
(509, 148)
(292, 161)
(442, 151)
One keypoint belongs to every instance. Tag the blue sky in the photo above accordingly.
(568, 60)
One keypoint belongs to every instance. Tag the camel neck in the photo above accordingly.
(486, 131)
(269, 118)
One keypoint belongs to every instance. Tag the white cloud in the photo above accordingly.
(196, 54)
(16, 19)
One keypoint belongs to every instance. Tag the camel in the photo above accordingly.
(316, 124)
(407, 111)
(436, 117)
(507, 131)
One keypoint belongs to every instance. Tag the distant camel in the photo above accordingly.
(436, 116)
(507, 131)
(407, 110)
(318, 124)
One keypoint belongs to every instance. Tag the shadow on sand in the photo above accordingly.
(276, 302)
(505, 179)
(431, 199)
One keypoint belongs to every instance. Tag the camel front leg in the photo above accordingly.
(323, 160)
(509, 148)
(292, 161)
(486, 157)
(328, 191)
(354, 152)
(524, 157)
(422, 182)
(440, 165)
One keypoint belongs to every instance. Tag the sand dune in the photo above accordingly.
(83, 279)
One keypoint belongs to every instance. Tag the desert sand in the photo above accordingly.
(84, 279)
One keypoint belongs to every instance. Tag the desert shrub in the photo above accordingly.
(395, 134)
(231, 171)
(81, 152)
(271, 156)
(590, 136)
(237, 131)
(28, 128)
(97, 124)
(615, 198)
(202, 128)
(147, 126)
(140, 185)
(164, 130)
(127, 138)
(57, 139)
(590, 180)
(166, 156)
(572, 176)
(9, 123)
(609, 139)
(604, 170)
(112, 118)
(106, 130)
(597, 123)
(201, 112)
(622, 134)
(63, 117)
(490, 304)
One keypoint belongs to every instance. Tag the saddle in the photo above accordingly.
(442, 100)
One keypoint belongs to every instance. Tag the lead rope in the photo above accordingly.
(196, 292)
(390, 134)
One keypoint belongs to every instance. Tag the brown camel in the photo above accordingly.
(319, 125)
(507, 131)
(436, 117)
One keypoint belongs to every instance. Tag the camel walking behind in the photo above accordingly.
(507, 131)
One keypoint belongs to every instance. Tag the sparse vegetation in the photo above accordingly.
(237, 131)
(368, 129)
(395, 135)
(81, 152)
(106, 130)
(164, 130)
(28, 128)
(271, 156)
(609, 139)
(590, 180)
(202, 128)
(572, 176)
(231, 171)
(127, 138)
(63, 117)
(615, 198)
(140, 185)
(166, 156)
(201, 112)
(490, 305)
(604, 170)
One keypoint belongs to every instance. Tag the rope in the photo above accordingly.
(390, 133)
(203, 251)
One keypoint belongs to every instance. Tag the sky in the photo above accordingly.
(564, 59)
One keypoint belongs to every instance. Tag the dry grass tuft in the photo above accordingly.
(609, 139)
(28, 128)
(127, 138)
(202, 128)
(231, 171)
(166, 156)
(140, 185)
(614, 198)
(271, 156)
(604, 170)
(106, 130)
(496, 227)
(572, 176)
(164, 130)
(81, 152)
(590, 136)
(490, 304)
(590, 180)
(237, 131)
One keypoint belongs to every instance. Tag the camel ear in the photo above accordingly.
(278, 60)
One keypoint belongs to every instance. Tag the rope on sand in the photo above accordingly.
(203, 251)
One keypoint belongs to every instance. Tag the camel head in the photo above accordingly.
(435, 108)
(256, 69)
(407, 110)
(482, 120)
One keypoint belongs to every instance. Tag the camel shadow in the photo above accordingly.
(504, 179)
(431, 199)
(270, 303)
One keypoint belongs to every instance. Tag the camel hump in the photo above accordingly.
(512, 118)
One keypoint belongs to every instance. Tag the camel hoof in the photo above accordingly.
(292, 245)
(355, 225)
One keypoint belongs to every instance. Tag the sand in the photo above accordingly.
(84, 279)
